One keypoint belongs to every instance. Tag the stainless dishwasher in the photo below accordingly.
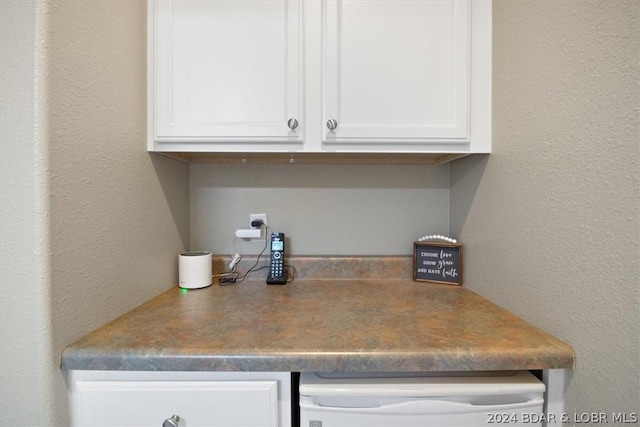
(420, 399)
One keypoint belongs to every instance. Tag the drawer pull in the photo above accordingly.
(292, 123)
(332, 124)
(171, 422)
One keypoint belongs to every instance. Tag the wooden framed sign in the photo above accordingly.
(437, 262)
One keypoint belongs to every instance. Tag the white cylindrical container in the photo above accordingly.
(194, 270)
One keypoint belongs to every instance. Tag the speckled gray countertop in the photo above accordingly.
(342, 324)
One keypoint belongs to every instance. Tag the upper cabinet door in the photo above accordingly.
(396, 71)
(225, 72)
(319, 76)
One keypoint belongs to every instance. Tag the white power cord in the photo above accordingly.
(235, 259)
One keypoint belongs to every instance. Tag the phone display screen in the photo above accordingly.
(277, 245)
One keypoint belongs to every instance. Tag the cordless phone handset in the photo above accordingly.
(277, 271)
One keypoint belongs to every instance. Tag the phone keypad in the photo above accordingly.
(276, 267)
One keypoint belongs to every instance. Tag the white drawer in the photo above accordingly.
(197, 403)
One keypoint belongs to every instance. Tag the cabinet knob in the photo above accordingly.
(292, 123)
(332, 124)
(171, 422)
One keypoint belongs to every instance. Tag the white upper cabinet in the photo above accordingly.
(320, 76)
(224, 73)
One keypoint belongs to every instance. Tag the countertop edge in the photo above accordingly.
(330, 362)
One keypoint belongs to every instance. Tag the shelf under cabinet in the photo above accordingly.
(316, 158)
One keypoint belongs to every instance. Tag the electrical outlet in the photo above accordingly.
(263, 231)
(253, 217)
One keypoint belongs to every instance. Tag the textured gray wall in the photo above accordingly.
(25, 355)
(550, 220)
(323, 209)
(118, 216)
(114, 217)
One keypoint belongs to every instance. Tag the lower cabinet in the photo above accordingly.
(180, 399)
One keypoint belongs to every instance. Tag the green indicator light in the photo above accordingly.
(183, 290)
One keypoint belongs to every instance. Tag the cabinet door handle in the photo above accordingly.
(171, 422)
(332, 124)
(292, 123)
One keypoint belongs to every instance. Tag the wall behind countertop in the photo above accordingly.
(322, 209)
(551, 219)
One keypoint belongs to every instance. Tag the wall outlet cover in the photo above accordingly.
(262, 216)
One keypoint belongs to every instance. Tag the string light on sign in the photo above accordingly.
(437, 237)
